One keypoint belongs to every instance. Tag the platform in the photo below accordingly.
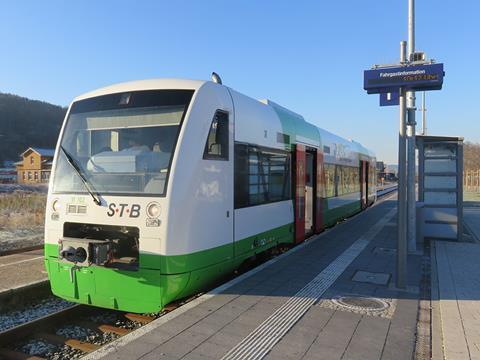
(471, 219)
(19, 270)
(284, 308)
(456, 293)
(22, 276)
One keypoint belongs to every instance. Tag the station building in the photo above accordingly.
(35, 166)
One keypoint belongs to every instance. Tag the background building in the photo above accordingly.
(35, 166)
(8, 173)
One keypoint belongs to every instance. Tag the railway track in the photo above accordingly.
(90, 320)
(385, 191)
(73, 331)
(21, 250)
(48, 329)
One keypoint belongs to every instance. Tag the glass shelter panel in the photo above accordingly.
(440, 165)
(440, 182)
(440, 150)
(440, 198)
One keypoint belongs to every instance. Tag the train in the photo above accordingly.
(162, 187)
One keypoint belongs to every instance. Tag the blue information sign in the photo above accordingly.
(413, 77)
(390, 99)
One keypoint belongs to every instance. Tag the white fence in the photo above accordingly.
(471, 180)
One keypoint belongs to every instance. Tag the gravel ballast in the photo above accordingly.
(31, 312)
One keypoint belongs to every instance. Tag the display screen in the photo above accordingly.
(415, 77)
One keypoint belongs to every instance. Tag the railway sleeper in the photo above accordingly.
(114, 330)
(73, 343)
(176, 304)
(104, 328)
(170, 307)
(142, 319)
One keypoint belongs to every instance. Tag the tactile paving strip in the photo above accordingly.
(261, 340)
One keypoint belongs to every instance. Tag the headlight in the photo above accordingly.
(153, 210)
(56, 206)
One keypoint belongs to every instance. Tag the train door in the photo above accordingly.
(309, 194)
(216, 197)
(363, 184)
(367, 170)
(299, 175)
(319, 192)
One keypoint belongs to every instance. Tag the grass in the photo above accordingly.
(471, 199)
(22, 210)
(471, 196)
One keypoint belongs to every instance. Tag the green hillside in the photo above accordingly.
(25, 122)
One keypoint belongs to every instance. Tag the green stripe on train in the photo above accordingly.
(160, 279)
(295, 125)
(331, 216)
(163, 279)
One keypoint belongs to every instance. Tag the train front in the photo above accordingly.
(106, 199)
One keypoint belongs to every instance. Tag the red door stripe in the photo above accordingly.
(300, 178)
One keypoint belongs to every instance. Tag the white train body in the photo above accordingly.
(230, 191)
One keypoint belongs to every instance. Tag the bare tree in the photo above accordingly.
(471, 156)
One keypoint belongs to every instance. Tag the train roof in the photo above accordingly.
(297, 123)
(305, 130)
(325, 134)
(151, 84)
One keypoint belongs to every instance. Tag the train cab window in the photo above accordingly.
(216, 147)
(123, 143)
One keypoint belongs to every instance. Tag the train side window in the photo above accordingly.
(262, 175)
(216, 147)
(329, 180)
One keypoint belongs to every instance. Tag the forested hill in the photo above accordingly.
(25, 123)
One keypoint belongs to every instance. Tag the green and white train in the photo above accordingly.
(161, 187)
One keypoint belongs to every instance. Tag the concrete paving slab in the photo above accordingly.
(459, 298)
(296, 343)
(21, 269)
(227, 340)
(471, 219)
(136, 350)
(384, 251)
(371, 277)
(436, 321)
(332, 342)
(211, 349)
(368, 340)
(400, 341)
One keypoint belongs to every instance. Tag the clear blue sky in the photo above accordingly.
(307, 56)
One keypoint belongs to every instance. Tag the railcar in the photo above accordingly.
(161, 187)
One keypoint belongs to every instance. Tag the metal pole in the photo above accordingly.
(411, 190)
(424, 116)
(402, 170)
(411, 28)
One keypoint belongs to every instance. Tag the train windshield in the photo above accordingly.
(122, 144)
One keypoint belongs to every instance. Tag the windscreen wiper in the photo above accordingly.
(78, 169)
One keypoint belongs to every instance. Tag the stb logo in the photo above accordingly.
(123, 209)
